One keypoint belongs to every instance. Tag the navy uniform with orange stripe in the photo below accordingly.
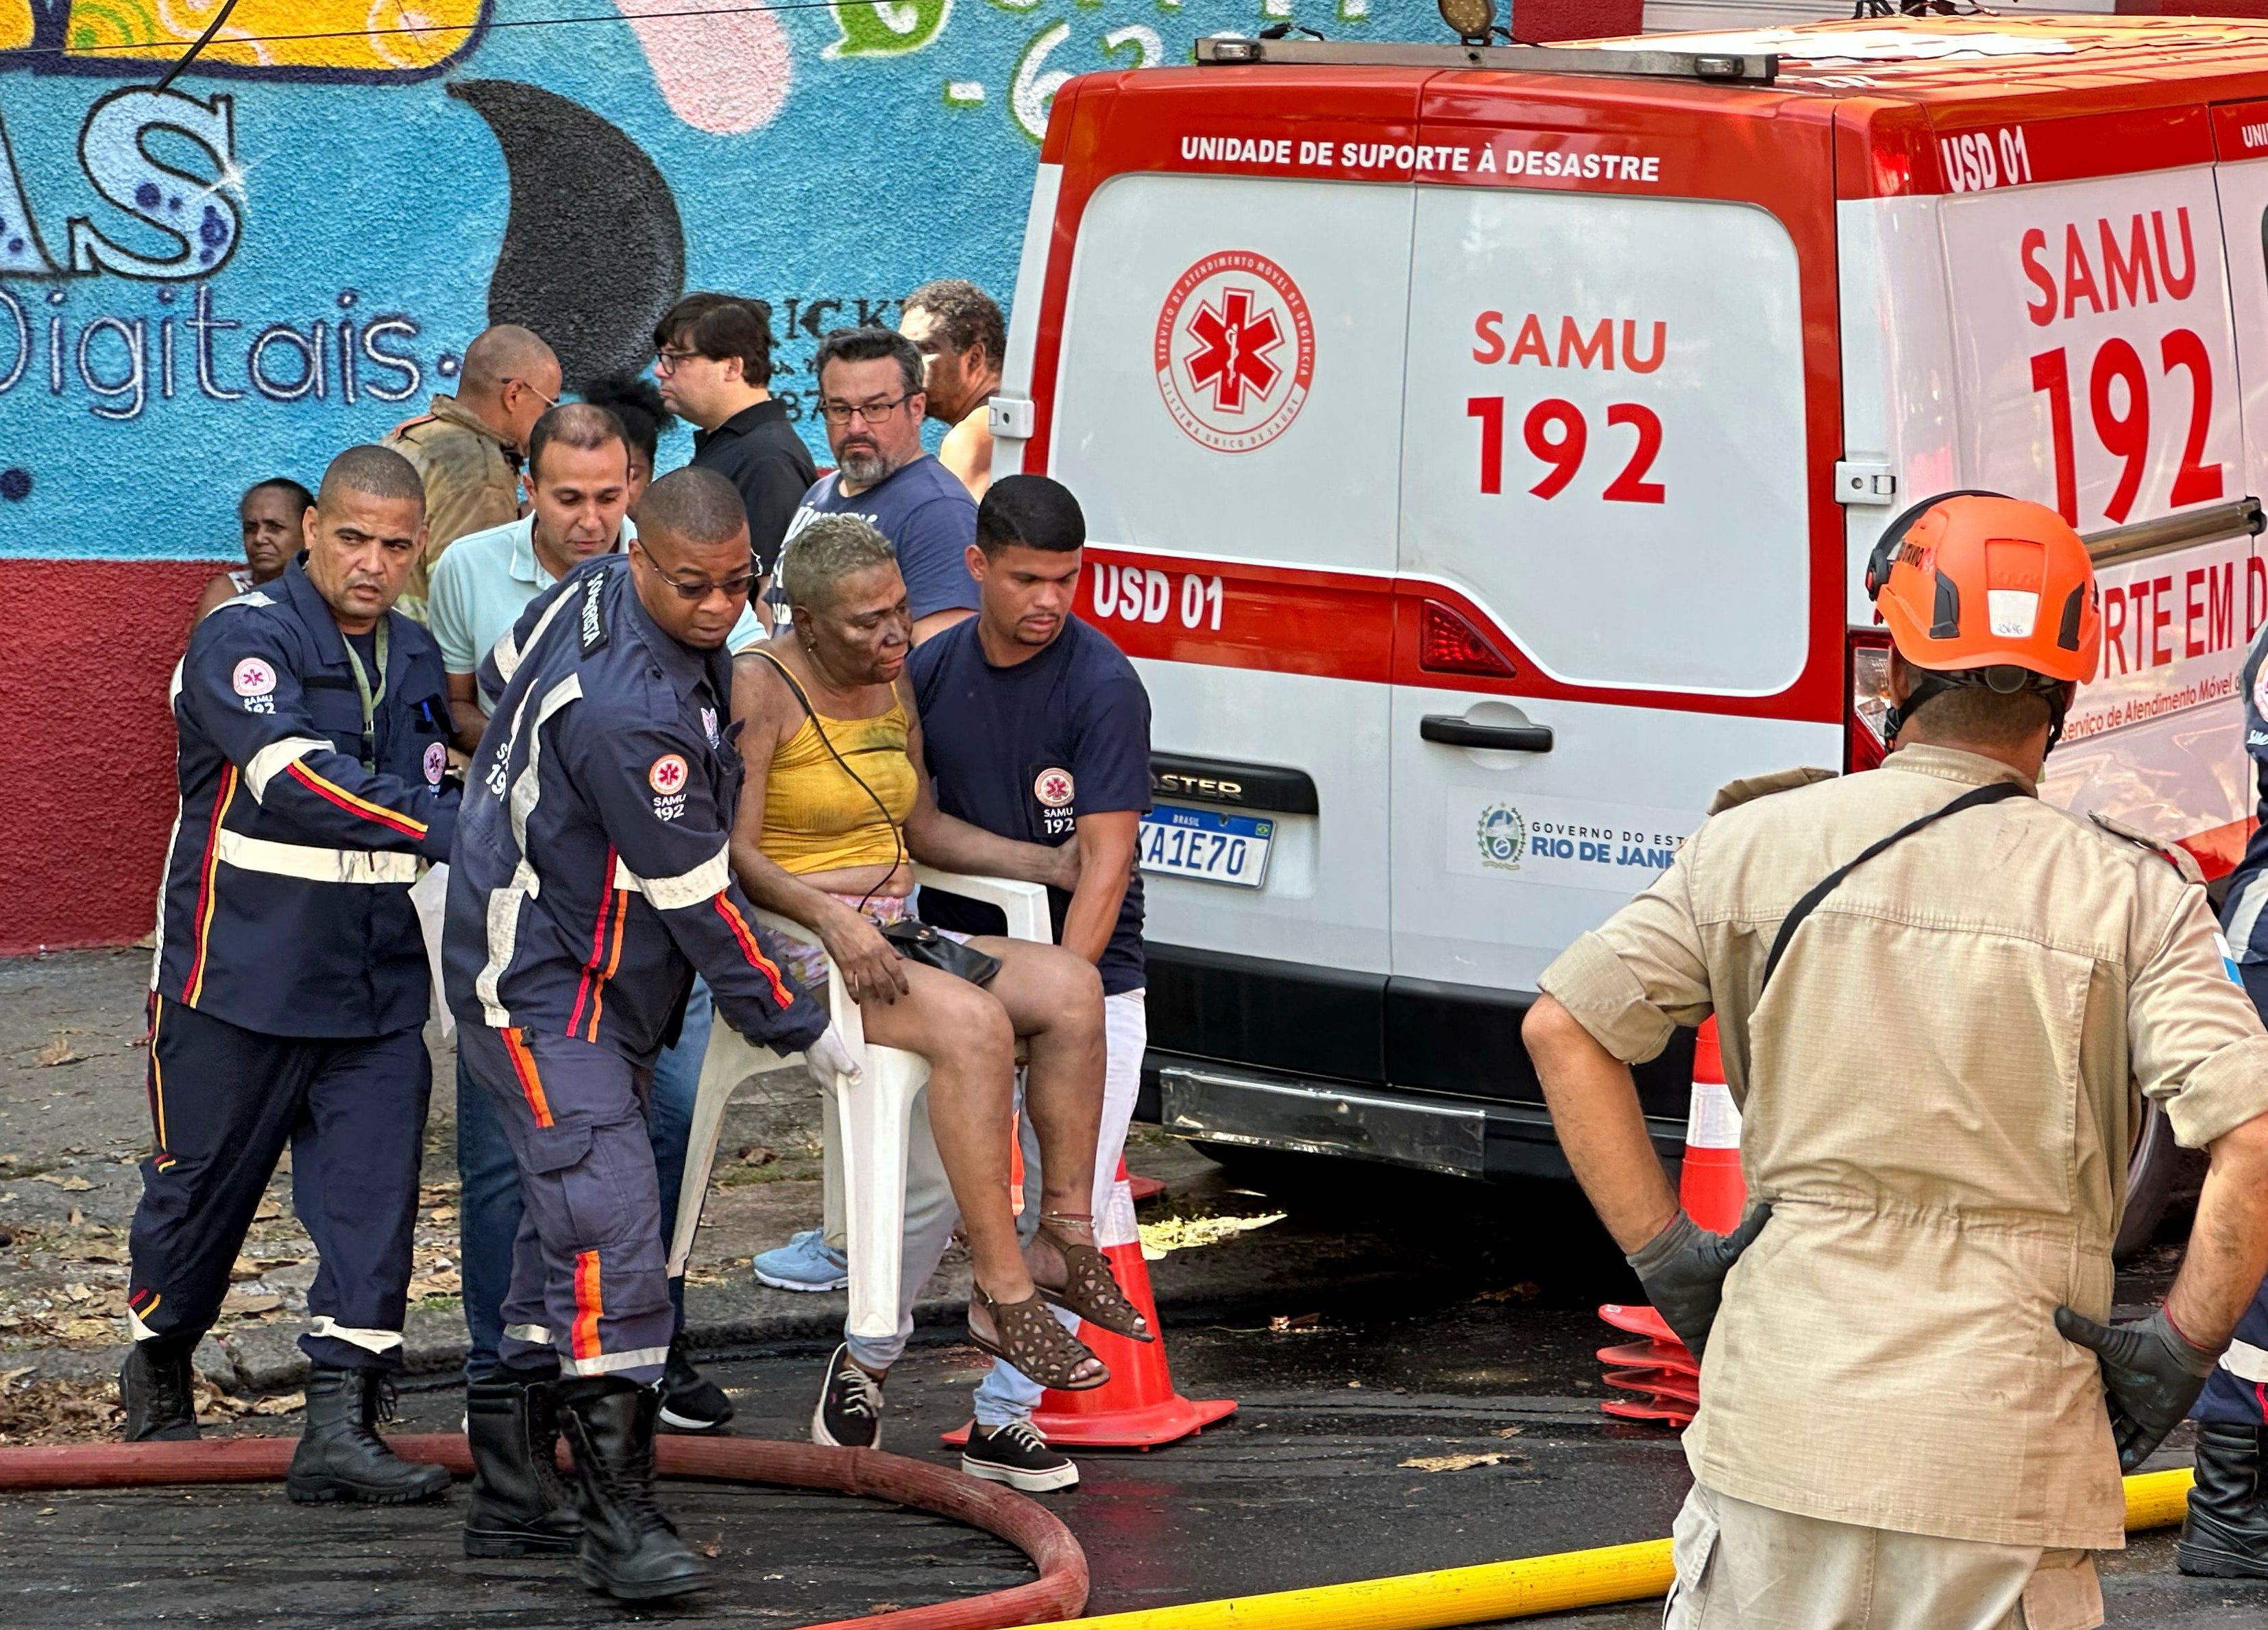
(291, 979)
(592, 881)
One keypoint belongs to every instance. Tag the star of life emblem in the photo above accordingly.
(1235, 352)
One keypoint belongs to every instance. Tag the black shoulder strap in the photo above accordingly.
(1992, 793)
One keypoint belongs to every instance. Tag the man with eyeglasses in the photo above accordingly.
(466, 447)
(590, 884)
(713, 362)
(871, 392)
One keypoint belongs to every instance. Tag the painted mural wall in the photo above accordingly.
(287, 251)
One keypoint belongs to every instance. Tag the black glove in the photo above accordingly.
(1683, 1267)
(2151, 1375)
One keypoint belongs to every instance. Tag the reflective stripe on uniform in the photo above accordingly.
(503, 912)
(674, 894)
(2244, 918)
(368, 1340)
(505, 655)
(266, 762)
(2246, 1361)
(607, 1363)
(534, 1335)
(317, 866)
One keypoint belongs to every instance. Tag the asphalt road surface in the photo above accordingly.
(1473, 1338)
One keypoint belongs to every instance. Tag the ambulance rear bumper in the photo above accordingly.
(1236, 1105)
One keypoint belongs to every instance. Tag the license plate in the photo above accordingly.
(1200, 843)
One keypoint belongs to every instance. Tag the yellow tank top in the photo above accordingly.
(818, 819)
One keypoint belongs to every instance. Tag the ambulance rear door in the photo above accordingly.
(2097, 368)
(1226, 404)
(1614, 484)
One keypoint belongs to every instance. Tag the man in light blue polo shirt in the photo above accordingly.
(578, 484)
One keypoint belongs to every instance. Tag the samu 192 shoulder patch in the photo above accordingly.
(591, 621)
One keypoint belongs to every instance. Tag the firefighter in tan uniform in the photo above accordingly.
(1942, 1003)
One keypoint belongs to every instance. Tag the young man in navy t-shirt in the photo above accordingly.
(1037, 728)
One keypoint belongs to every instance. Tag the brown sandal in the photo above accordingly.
(1027, 1335)
(1089, 1287)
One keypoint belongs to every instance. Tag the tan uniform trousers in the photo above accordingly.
(1742, 1567)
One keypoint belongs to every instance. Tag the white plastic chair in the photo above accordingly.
(872, 1115)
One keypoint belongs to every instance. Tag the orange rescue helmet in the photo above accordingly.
(1978, 581)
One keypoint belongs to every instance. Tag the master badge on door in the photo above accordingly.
(1235, 352)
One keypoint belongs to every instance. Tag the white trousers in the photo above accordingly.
(1006, 1394)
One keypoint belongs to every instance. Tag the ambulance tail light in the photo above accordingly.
(1863, 744)
(1447, 642)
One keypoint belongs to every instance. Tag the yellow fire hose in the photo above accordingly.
(1513, 1589)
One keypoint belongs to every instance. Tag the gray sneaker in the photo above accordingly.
(807, 1262)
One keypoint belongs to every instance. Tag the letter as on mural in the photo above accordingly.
(194, 211)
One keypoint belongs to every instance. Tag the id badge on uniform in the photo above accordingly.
(1053, 815)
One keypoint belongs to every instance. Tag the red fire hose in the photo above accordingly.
(1059, 1592)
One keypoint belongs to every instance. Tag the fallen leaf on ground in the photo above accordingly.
(58, 1050)
(89, 1330)
(242, 1268)
(1527, 1290)
(101, 1253)
(1456, 1463)
(436, 1285)
(70, 1184)
(1171, 1234)
(1283, 1322)
(251, 1302)
(270, 1210)
(1508, 1432)
(285, 1405)
(756, 1154)
(710, 1547)
(17, 1374)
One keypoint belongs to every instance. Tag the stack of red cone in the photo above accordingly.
(1137, 1407)
(1659, 1368)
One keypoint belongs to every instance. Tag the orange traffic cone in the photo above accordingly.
(1710, 1188)
(1137, 1407)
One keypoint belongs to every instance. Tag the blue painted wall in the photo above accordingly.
(312, 244)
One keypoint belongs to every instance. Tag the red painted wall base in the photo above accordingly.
(86, 745)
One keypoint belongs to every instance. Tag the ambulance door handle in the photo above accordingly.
(1450, 731)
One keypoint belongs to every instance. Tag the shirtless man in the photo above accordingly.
(962, 337)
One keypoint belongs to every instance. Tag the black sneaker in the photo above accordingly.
(1018, 1455)
(850, 1412)
(690, 1402)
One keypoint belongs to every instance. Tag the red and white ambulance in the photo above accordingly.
(1481, 448)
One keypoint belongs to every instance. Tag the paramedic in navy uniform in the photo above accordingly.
(290, 989)
(2226, 1534)
(591, 884)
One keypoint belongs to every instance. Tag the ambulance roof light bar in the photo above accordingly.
(1714, 67)
(2145, 538)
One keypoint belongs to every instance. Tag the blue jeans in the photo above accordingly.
(489, 1207)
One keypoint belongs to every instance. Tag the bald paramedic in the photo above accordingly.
(1941, 1002)
(290, 990)
(591, 883)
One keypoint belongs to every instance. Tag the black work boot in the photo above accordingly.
(2225, 1534)
(520, 1505)
(630, 1549)
(158, 1392)
(341, 1455)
